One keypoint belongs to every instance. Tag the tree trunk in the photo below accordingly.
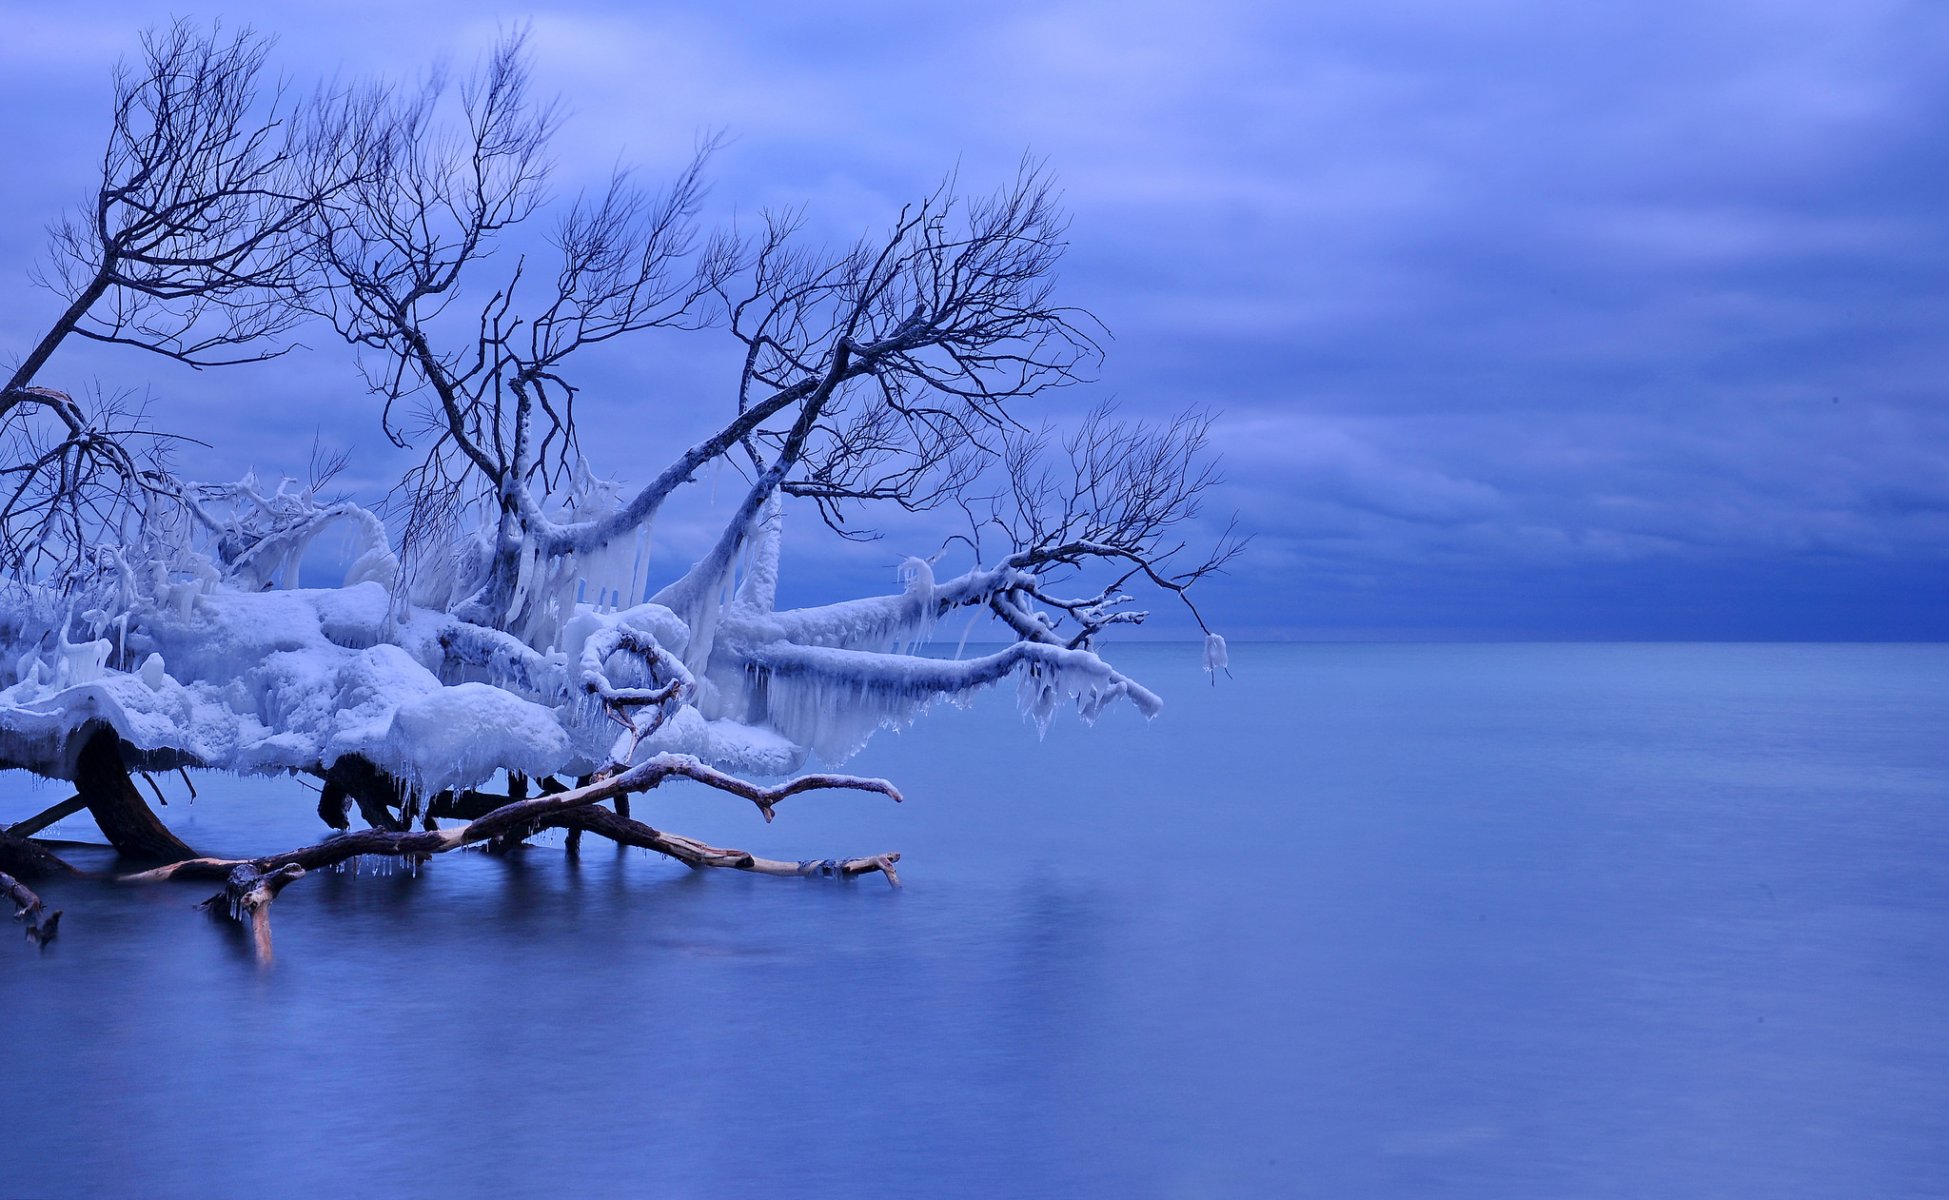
(374, 791)
(29, 859)
(124, 816)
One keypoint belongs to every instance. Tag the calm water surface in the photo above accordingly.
(1485, 921)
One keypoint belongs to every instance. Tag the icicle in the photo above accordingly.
(961, 646)
(643, 592)
(523, 571)
(82, 662)
(835, 717)
(179, 598)
(759, 592)
(1215, 659)
(638, 566)
(30, 670)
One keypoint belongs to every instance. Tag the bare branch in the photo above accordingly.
(565, 809)
(41, 924)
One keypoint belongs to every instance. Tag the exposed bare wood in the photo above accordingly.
(41, 923)
(246, 896)
(333, 801)
(693, 853)
(766, 797)
(525, 817)
(188, 249)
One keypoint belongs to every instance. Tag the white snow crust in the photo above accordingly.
(199, 659)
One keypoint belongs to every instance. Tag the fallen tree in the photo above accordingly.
(504, 617)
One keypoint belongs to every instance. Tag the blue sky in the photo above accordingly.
(1525, 319)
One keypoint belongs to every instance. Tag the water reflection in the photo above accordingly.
(1465, 921)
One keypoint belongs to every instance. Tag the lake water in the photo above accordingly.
(1365, 921)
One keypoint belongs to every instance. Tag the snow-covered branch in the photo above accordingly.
(505, 616)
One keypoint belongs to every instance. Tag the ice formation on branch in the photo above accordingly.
(214, 659)
(507, 614)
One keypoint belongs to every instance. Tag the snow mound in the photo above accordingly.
(460, 735)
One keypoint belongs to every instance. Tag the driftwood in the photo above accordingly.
(41, 923)
(251, 884)
(246, 897)
(693, 853)
(102, 781)
(572, 809)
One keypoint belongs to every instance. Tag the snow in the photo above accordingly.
(217, 659)
(459, 736)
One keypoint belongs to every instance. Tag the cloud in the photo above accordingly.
(1497, 298)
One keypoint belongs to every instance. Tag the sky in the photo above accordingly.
(1523, 320)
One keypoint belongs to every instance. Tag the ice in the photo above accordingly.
(242, 669)
(460, 735)
(82, 662)
(1215, 659)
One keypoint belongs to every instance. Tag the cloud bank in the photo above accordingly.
(1526, 320)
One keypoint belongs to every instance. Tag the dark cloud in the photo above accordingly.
(1526, 319)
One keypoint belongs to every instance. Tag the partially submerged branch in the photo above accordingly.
(563, 810)
(692, 853)
(48, 816)
(246, 897)
(41, 923)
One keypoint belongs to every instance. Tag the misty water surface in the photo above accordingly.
(1484, 921)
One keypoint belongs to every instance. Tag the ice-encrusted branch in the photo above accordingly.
(673, 686)
(678, 686)
(946, 677)
(503, 657)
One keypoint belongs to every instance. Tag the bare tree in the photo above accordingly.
(896, 374)
(493, 406)
(885, 374)
(189, 250)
